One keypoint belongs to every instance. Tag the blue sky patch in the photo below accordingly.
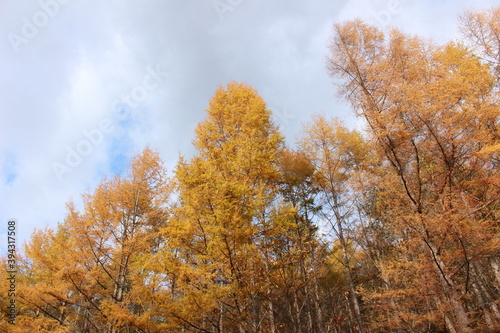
(9, 169)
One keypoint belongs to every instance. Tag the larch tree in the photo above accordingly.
(482, 32)
(297, 258)
(80, 277)
(432, 110)
(336, 154)
(220, 226)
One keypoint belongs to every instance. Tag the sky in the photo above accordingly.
(85, 85)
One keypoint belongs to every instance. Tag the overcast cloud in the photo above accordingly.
(86, 84)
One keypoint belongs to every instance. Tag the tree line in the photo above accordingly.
(395, 229)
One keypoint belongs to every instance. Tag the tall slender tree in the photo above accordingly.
(225, 193)
(336, 154)
(431, 109)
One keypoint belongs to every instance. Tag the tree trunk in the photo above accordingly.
(353, 299)
(271, 317)
(317, 308)
(458, 312)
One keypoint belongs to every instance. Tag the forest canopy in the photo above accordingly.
(393, 229)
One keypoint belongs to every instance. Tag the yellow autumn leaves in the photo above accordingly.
(391, 230)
